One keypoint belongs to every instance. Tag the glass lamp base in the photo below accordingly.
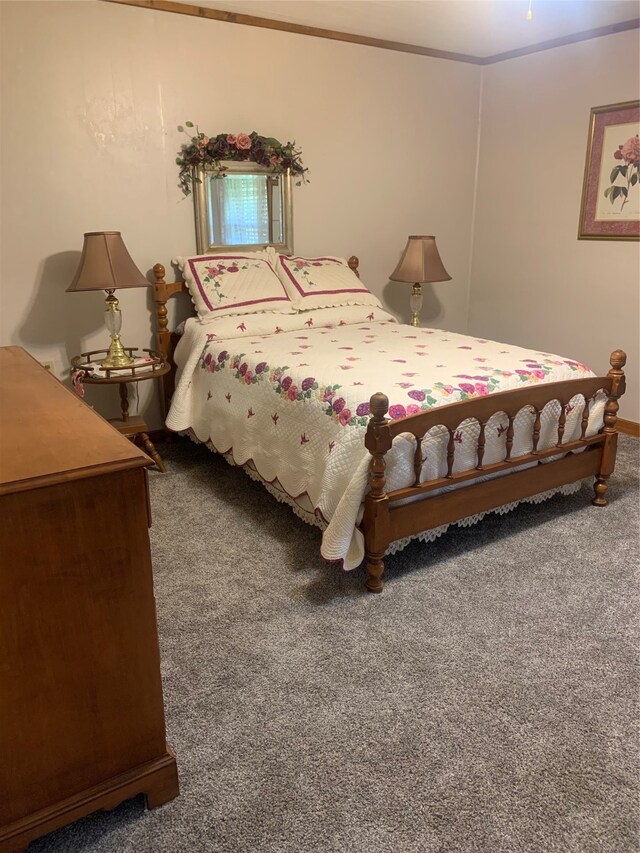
(415, 300)
(116, 357)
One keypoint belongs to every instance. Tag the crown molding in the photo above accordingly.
(285, 26)
(585, 35)
(368, 41)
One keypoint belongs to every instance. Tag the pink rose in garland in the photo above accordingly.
(243, 142)
(624, 177)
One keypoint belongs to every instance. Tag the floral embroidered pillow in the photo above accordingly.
(322, 283)
(234, 283)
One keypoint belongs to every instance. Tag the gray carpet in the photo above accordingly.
(487, 701)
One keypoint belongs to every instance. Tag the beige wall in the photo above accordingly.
(91, 97)
(92, 94)
(533, 282)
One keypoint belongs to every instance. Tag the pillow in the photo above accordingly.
(322, 283)
(234, 283)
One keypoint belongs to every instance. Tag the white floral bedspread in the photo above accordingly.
(288, 396)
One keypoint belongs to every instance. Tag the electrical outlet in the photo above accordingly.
(48, 365)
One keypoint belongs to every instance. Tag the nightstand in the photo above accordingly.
(150, 365)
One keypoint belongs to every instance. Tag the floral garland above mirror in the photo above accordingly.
(209, 151)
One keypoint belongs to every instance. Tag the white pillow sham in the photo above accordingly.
(325, 282)
(224, 283)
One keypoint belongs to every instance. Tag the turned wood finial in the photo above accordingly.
(616, 375)
(617, 379)
(377, 441)
(159, 273)
(353, 264)
(618, 359)
(379, 406)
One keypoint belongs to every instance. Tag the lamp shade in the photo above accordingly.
(420, 262)
(106, 264)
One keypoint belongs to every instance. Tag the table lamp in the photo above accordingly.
(420, 263)
(107, 265)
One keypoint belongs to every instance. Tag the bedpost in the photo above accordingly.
(353, 265)
(164, 335)
(616, 375)
(377, 534)
(161, 310)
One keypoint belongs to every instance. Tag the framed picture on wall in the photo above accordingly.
(611, 191)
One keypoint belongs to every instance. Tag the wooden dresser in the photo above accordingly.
(81, 714)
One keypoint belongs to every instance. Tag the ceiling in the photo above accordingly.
(478, 27)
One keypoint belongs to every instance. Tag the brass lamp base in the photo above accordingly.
(117, 357)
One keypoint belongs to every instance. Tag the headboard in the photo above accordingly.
(168, 340)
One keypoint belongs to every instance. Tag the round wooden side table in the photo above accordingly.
(150, 364)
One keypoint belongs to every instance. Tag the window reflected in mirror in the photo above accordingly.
(245, 210)
(250, 207)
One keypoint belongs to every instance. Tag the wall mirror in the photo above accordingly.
(249, 209)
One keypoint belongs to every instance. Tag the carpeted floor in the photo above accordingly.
(487, 701)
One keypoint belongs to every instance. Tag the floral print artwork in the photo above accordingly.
(624, 175)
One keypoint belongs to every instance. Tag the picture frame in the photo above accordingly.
(610, 208)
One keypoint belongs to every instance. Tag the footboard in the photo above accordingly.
(389, 516)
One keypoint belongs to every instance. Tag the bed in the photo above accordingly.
(376, 431)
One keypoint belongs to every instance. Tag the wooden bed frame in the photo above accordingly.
(387, 516)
